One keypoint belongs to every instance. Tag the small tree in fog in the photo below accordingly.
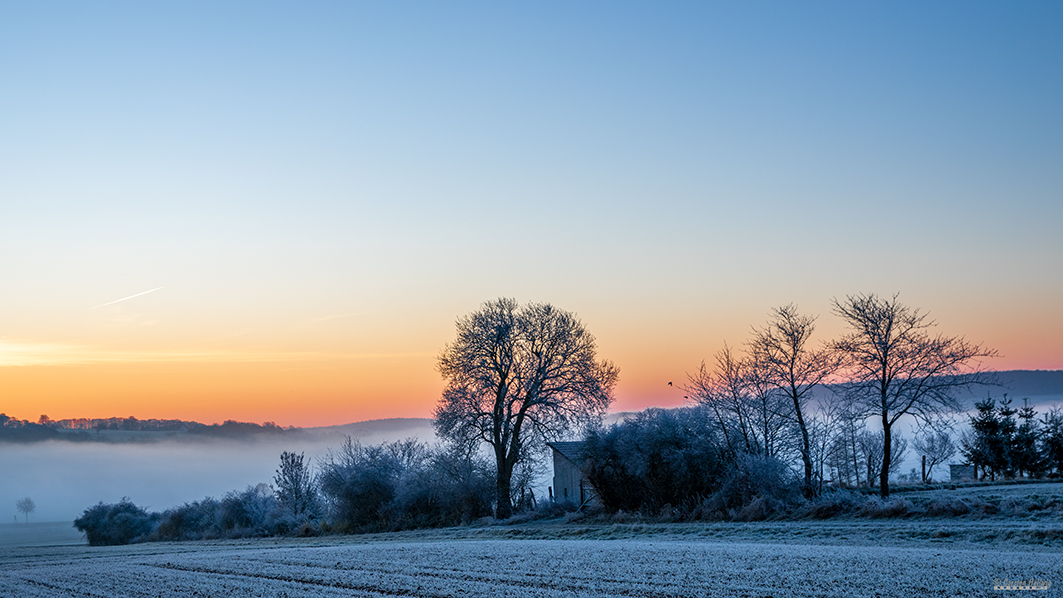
(295, 485)
(872, 446)
(26, 507)
(935, 446)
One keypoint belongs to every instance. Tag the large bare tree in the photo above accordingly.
(516, 376)
(783, 354)
(896, 368)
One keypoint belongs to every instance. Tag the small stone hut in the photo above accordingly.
(570, 485)
(962, 472)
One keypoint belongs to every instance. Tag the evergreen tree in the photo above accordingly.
(1052, 440)
(1025, 457)
(1004, 459)
(980, 447)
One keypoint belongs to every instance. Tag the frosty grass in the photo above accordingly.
(515, 567)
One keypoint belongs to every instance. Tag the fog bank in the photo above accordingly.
(65, 478)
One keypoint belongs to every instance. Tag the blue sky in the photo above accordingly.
(343, 180)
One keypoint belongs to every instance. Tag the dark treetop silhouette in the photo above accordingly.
(516, 376)
(896, 368)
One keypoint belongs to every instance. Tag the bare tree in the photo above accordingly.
(295, 485)
(825, 425)
(782, 352)
(896, 368)
(768, 409)
(26, 507)
(517, 376)
(847, 444)
(871, 447)
(726, 395)
(935, 446)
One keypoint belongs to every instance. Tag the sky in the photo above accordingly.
(277, 212)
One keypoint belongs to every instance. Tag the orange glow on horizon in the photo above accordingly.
(330, 388)
(301, 395)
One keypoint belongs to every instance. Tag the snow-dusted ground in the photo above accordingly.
(663, 565)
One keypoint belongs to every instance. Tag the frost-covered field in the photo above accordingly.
(664, 566)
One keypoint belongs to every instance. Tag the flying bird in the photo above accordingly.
(669, 384)
(124, 299)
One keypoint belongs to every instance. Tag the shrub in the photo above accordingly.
(895, 507)
(360, 483)
(197, 520)
(121, 523)
(448, 487)
(1017, 506)
(943, 506)
(249, 513)
(768, 482)
(831, 504)
(404, 485)
(655, 458)
(980, 507)
(761, 508)
(399, 485)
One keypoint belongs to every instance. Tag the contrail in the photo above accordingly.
(124, 298)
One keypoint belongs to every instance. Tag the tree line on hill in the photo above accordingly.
(86, 429)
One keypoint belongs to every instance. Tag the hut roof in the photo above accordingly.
(573, 451)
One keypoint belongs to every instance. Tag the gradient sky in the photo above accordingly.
(321, 189)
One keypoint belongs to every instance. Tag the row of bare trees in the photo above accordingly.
(518, 375)
(886, 366)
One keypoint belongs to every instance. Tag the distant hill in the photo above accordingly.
(128, 429)
(1044, 388)
(132, 430)
(375, 426)
(375, 431)
(1033, 383)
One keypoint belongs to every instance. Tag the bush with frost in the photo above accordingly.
(120, 523)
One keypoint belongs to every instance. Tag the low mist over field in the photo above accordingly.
(163, 470)
(64, 478)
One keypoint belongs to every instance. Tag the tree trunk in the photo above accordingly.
(503, 501)
(856, 459)
(806, 449)
(887, 443)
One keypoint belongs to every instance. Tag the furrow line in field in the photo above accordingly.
(67, 591)
(323, 583)
(449, 572)
(414, 583)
